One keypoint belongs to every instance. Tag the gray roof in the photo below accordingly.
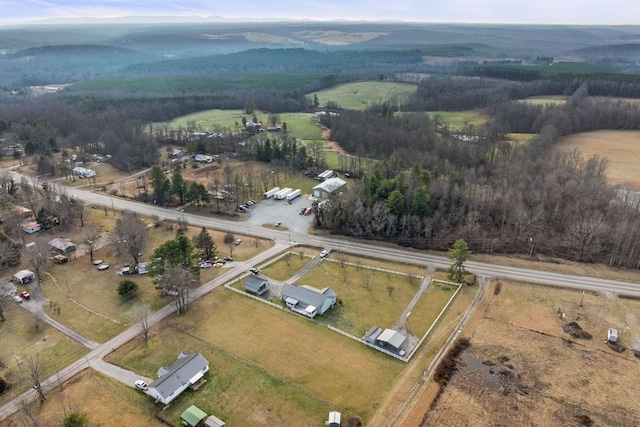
(178, 373)
(331, 184)
(394, 338)
(7, 288)
(253, 283)
(307, 294)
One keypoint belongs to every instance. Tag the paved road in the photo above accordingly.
(283, 240)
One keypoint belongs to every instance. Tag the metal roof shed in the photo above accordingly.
(391, 337)
(214, 421)
(192, 416)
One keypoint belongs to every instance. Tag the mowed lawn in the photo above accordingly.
(620, 147)
(459, 119)
(323, 368)
(361, 95)
(22, 341)
(366, 297)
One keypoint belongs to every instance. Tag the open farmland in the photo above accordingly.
(620, 147)
(460, 119)
(520, 357)
(323, 369)
(361, 95)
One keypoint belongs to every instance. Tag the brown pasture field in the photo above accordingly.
(541, 375)
(106, 402)
(620, 147)
(315, 361)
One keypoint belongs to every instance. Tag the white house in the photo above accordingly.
(203, 158)
(187, 370)
(307, 300)
(81, 172)
(328, 187)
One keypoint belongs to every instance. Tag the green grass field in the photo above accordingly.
(300, 125)
(460, 119)
(543, 100)
(358, 96)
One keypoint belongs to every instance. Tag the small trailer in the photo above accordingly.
(271, 192)
(294, 194)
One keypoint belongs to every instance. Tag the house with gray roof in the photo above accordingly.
(307, 300)
(187, 370)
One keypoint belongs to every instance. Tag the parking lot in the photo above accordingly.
(270, 211)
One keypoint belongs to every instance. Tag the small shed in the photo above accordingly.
(214, 421)
(372, 335)
(256, 285)
(612, 336)
(334, 419)
(24, 276)
(193, 416)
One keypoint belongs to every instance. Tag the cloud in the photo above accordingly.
(489, 11)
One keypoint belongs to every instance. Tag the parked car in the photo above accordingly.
(228, 258)
(250, 203)
(323, 254)
(141, 385)
(103, 266)
(278, 223)
(25, 295)
(238, 242)
(17, 298)
(254, 270)
(218, 264)
(206, 264)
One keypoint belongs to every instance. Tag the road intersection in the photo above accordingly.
(283, 240)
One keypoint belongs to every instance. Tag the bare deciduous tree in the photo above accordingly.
(141, 316)
(37, 257)
(130, 235)
(91, 236)
(35, 375)
(177, 281)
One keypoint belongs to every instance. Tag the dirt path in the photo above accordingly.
(408, 392)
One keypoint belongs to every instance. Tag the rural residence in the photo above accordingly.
(62, 245)
(186, 371)
(307, 300)
(32, 227)
(81, 172)
(7, 289)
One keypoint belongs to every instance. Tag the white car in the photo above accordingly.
(323, 254)
(17, 298)
(141, 385)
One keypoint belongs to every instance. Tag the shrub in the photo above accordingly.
(4, 386)
(127, 288)
(449, 364)
(75, 419)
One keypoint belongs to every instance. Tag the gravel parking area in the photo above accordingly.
(269, 211)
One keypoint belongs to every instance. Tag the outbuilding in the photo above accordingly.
(8, 289)
(32, 227)
(193, 416)
(334, 419)
(392, 338)
(256, 285)
(214, 421)
(24, 276)
(327, 188)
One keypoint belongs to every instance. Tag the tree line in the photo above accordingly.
(431, 186)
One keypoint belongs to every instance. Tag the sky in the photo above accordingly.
(580, 12)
